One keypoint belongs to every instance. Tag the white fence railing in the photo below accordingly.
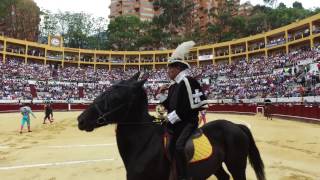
(309, 99)
(45, 101)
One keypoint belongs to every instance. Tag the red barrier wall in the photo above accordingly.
(233, 108)
(311, 113)
(297, 111)
(290, 111)
(34, 107)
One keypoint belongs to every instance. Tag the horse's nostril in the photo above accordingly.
(80, 121)
(81, 125)
(80, 118)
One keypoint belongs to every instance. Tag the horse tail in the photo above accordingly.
(254, 155)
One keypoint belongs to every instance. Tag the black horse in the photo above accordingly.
(140, 140)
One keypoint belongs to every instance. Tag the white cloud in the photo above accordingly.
(98, 8)
(101, 7)
(309, 4)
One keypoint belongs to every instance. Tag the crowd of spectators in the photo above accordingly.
(279, 75)
(14, 89)
(57, 91)
(276, 41)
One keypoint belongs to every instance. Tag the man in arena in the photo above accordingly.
(202, 117)
(48, 113)
(26, 111)
(183, 103)
(160, 112)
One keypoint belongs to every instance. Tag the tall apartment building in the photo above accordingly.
(203, 10)
(201, 13)
(140, 8)
(245, 9)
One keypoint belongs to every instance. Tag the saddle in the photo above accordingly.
(198, 147)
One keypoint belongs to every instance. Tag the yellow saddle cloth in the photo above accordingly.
(202, 149)
(198, 147)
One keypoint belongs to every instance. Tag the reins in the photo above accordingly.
(102, 119)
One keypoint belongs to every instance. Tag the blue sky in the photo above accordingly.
(101, 7)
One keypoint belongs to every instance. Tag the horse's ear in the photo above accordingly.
(135, 77)
(140, 83)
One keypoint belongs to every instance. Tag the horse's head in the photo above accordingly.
(115, 104)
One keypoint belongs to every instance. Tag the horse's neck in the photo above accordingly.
(137, 132)
(134, 139)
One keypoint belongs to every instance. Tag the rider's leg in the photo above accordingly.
(180, 155)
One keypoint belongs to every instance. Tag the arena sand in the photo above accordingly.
(290, 150)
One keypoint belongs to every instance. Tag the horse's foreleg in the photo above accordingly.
(221, 174)
(198, 179)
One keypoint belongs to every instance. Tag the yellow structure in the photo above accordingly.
(304, 33)
(202, 149)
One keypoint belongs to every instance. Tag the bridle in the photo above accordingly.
(102, 119)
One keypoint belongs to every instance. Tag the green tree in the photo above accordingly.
(20, 19)
(297, 5)
(170, 28)
(316, 11)
(238, 26)
(5, 7)
(157, 30)
(158, 37)
(79, 30)
(175, 15)
(257, 23)
(282, 6)
(281, 17)
(48, 26)
(97, 41)
(124, 32)
(222, 29)
(215, 32)
(99, 38)
(272, 3)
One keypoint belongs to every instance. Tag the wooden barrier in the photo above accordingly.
(311, 113)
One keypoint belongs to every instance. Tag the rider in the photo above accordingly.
(183, 103)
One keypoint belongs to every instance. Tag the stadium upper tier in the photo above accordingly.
(303, 33)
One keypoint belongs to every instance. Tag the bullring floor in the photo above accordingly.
(290, 150)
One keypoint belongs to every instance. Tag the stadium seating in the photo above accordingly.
(280, 63)
(279, 75)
